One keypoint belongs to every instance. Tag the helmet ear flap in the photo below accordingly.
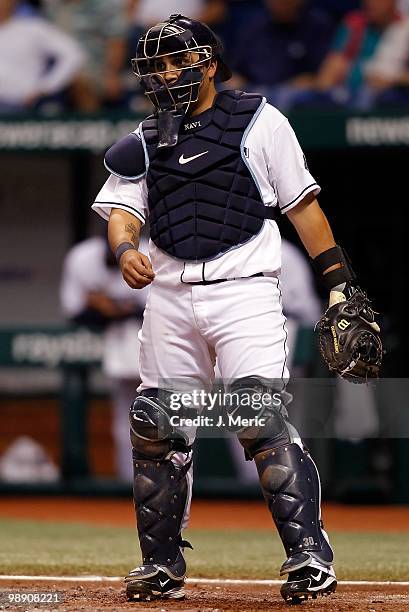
(223, 72)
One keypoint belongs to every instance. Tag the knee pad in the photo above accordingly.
(291, 487)
(257, 414)
(152, 434)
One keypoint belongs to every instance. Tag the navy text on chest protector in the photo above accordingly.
(202, 197)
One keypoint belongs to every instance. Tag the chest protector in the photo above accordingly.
(203, 200)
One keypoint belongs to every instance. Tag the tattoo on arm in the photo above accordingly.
(131, 228)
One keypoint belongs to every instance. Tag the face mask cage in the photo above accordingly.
(171, 50)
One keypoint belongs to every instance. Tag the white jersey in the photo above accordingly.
(30, 42)
(148, 12)
(278, 166)
(391, 57)
(85, 271)
(300, 300)
(404, 6)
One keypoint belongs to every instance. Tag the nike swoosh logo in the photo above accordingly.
(321, 587)
(186, 160)
(317, 578)
(162, 584)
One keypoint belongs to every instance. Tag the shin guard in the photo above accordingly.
(161, 494)
(291, 487)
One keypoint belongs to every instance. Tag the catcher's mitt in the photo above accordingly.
(349, 338)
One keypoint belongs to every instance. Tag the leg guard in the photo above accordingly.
(161, 486)
(291, 487)
(160, 493)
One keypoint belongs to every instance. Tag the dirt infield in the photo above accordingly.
(200, 597)
(222, 515)
(208, 514)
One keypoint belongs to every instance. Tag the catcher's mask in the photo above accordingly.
(188, 47)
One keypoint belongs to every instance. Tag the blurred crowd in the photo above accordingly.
(74, 55)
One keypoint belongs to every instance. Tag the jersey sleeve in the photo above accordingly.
(288, 170)
(129, 195)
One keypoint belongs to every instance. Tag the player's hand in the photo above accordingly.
(379, 83)
(112, 86)
(336, 297)
(136, 269)
(98, 300)
(32, 99)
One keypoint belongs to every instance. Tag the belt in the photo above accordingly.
(224, 280)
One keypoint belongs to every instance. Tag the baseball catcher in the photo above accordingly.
(211, 171)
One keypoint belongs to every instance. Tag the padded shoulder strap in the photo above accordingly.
(150, 130)
(239, 101)
(126, 158)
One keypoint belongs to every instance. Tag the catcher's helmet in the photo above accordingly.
(178, 35)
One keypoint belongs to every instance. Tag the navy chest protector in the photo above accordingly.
(203, 200)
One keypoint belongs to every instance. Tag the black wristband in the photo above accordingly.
(327, 259)
(124, 246)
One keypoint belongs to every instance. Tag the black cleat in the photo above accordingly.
(149, 582)
(307, 582)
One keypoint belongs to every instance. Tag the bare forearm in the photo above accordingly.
(330, 261)
(115, 55)
(135, 266)
(214, 12)
(130, 8)
(123, 227)
(333, 71)
(403, 79)
(102, 303)
(312, 227)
